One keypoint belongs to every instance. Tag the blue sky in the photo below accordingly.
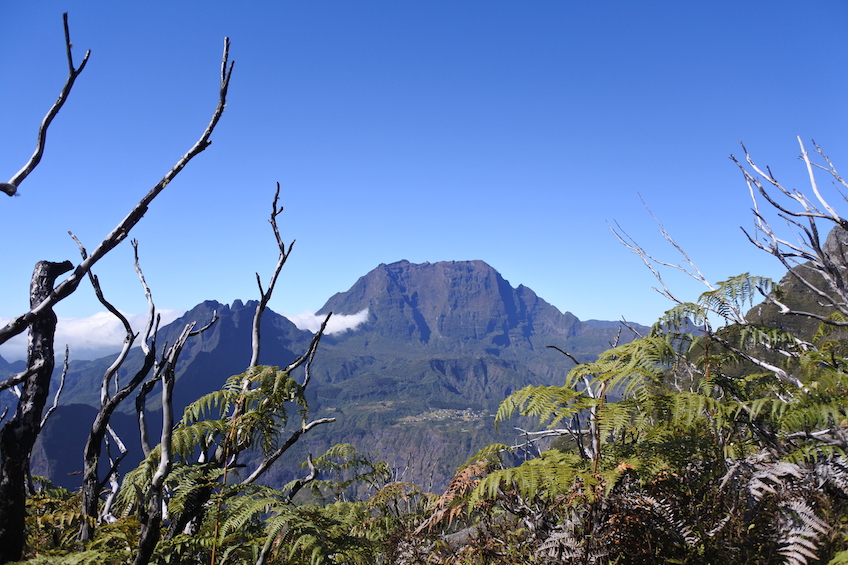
(505, 131)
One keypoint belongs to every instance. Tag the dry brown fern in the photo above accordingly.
(461, 485)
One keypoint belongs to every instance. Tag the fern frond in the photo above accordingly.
(451, 503)
(771, 477)
(802, 531)
(628, 367)
(550, 404)
(552, 473)
(735, 295)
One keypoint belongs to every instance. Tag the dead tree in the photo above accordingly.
(265, 295)
(816, 258)
(11, 187)
(91, 483)
(151, 516)
(815, 254)
(225, 454)
(19, 434)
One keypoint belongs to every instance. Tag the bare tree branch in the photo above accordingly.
(566, 353)
(268, 461)
(59, 390)
(112, 478)
(22, 376)
(140, 402)
(265, 296)
(814, 185)
(300, 483)
(148, 347)
(630, 327)
(91, 484)
(11, 188)
(69, 285)
(809, 256)
(151, 520)
(310, 353)
(211, 322)
(129, 335)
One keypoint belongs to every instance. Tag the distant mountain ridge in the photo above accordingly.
(416, 384)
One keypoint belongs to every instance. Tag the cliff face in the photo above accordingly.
(449, 304)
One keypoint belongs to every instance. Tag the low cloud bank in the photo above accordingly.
(88, 338)
(338, 322)
(102, 334)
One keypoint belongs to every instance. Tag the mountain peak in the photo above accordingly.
(445, 303)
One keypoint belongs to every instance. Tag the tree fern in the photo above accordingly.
(628, 367)
(551, 405)
(551, 474)
(728, 300)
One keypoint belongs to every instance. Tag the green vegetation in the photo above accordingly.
(695, 464)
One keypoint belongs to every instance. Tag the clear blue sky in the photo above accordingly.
(498, 130)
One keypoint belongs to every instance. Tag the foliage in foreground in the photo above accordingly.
(706, 458)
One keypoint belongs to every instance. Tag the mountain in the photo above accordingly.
(207, 360)
(458, 327)
(8, 369)
(443, 344)
(416, 384)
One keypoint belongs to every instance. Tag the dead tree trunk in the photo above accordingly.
(19, 434)
(91, 485)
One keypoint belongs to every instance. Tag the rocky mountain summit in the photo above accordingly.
(450, 305)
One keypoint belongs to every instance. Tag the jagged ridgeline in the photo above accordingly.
(416, 384)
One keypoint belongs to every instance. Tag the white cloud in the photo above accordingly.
(338, 322)
(88, 338)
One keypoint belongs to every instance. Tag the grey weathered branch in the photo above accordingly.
(22, 376)
(265, 295)
(268, 461)
(122, 230)
(151, 520)
(300, 483)
(566, 353)
(309, 356)
(148, 347)
(129, 335)
(112, 478)
(770, 367)
(58, 390)
(652, 262)
(826, 260)
(11, 187)
(141, 415)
